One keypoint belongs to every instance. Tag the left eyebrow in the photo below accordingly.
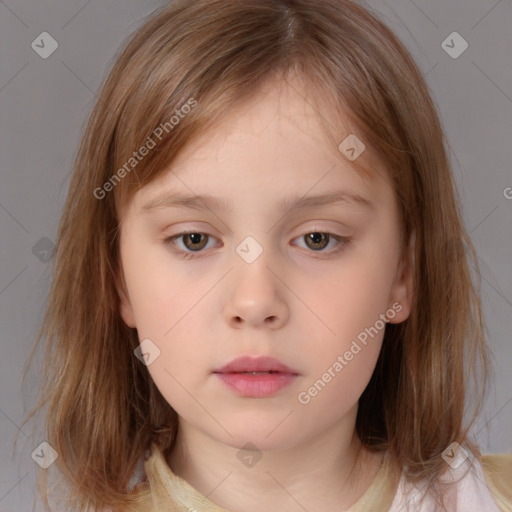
(204, 201)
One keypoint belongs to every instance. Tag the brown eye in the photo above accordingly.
(194, 241)
(190, 243)
(325, 244)
(317, 240)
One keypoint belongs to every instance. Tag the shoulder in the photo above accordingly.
(482, 483)
(497, 470)
(477, 484)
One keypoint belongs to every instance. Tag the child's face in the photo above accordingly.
(298, 301)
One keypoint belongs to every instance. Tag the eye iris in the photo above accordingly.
(195, 238)
(316, 238)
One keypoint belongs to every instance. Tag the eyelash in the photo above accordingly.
(343, 242)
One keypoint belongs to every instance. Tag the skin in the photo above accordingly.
(294, 302)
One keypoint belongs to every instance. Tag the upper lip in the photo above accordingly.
(255, 364)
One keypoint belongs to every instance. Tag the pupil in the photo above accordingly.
(317, 238)
(194, 239)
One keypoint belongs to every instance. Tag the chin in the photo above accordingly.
(265, 437)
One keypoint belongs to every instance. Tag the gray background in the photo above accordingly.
(45, 103)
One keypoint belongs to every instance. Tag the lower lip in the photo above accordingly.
(256, 386)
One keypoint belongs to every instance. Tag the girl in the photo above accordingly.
(262, 297)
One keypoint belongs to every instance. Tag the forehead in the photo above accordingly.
(283, 115)
(281, 140)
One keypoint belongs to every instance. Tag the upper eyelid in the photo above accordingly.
(307, 231)
(313, 229)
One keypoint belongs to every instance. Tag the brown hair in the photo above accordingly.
(104, 410)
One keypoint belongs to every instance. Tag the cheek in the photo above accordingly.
(159, 293)
(350, 303)
(333, 394)
(167, 304)
(340, 367)
(354, 292)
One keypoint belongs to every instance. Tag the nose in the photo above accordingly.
(256, 297)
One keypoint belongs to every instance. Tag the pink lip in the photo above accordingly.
(260, 385)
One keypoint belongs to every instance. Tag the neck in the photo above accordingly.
(327, 473)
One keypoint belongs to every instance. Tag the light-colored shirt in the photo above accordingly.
(482, 486)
